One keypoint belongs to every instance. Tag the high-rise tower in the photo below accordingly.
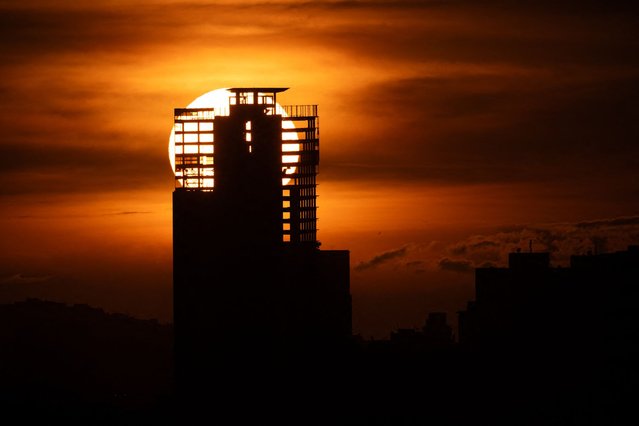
(248, 271)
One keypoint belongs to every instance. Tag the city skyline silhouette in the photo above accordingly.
(537, 344)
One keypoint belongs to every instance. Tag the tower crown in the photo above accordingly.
(255, 152)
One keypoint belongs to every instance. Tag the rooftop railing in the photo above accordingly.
(300, 110)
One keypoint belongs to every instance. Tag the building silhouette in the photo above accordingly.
(250, 281)
(586, 308)
(555, 344)
(434, 334)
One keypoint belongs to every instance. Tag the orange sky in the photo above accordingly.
(451, 133)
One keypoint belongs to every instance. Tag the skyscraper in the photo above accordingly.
(248, 271)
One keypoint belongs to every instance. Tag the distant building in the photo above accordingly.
(586, 308)
(467, 324)
(436, 330)
(249, 277)
(436, 333)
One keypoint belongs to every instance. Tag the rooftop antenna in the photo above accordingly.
(530, 245)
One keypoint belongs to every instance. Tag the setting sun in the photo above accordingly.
(219, 100)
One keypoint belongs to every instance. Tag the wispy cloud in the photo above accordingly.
(19, 279)
(560, 239)
(126, 213)
(463, 266)
(628, 221)
(382, 258)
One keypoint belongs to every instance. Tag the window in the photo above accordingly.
(206, 137)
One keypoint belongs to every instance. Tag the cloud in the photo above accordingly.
(382, 258)
(463, 266)
(610, 223)
(45, 168)
(562, 240)
(19, 279)
(505, 127)
(463, 248)
(126, 213)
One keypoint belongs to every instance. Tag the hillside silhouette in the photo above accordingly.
(80, 364)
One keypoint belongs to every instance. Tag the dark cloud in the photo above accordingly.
(126, 213)
(453, 265)
(43, 34)
(34, 168)
(20, 279)
(52, 30)
(525, 33)
(614, 222)
(498, 129)
(78, 215)
(483, 244)
(382, 258)
(552, 98)
(379, 169)
(462, 249)
(412, 31)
